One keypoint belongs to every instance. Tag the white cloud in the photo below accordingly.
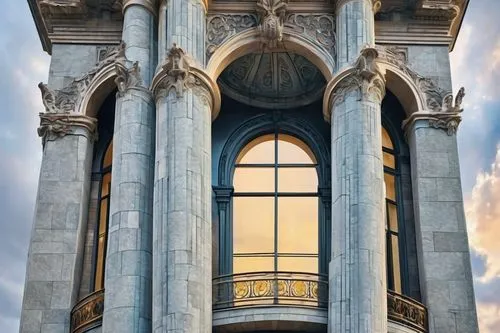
(489, 317)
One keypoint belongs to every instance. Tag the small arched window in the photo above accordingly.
(394, 281)
(275, 207)
(103, 218)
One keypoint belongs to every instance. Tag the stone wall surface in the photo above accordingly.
(444, 260)
(58, 234)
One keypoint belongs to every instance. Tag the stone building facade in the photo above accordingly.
(249, 166)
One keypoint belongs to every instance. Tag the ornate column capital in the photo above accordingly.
(179, 72)
(447, 117)
(57, 125)
(150, 5)
(376, 4)
(365, 76)
(128, 77)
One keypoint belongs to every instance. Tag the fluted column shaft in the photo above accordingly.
(355, 28)
(128, 275)
(357, 276)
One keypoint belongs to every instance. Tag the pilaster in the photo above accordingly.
(59, 227)
(182, 245)
(441, 234)
(357, 274)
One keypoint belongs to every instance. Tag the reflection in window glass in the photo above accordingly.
(275, 207)
(392, 236)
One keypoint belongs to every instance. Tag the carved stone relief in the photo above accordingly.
(67, 99)
(222, 26)
(272, 79)
(271, 21)
(127, 78)
(316, 27)
(366, 78)
(57, 125)
(64, 7)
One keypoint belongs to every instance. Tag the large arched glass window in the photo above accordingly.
(275, 207)
(391, 223)
(103, 220)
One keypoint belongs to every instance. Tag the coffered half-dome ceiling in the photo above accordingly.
(278, 80)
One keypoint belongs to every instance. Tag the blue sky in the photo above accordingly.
(475, 65)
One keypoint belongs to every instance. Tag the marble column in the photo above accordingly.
(60, 223)
(128, 274)
(355, 28)
(357, 276)
(441, 233)
(185, 98)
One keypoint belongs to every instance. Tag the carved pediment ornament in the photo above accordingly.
(271, 21)
(365, 77)
(58, 125)
(68, 99)
(178, 73)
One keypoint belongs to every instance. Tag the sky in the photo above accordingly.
(475, 64)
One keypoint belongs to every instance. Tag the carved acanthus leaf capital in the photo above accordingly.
(178, 73)
(447, 118)
(57, 125)
(365, 76)
(128, 77)
(271, 21)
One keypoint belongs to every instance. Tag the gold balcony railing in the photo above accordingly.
(267, 288)
(407, 311)
(87, 313)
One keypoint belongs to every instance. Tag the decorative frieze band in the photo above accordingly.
(447, 118)
(179, 72)
(57, 125)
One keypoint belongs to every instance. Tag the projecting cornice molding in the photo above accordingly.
(365, 77)
(448, 117)
(179, 72)
(57, 125)
(376, 4)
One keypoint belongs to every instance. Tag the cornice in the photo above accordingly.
(57, 125)
(150, 5)
(376, 4)
(179, 72)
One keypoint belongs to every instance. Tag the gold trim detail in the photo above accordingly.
(407, 311)
(88, 312)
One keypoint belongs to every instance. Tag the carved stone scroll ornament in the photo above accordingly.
(319, 28)
(222, 26)
(127, 78)
(68, 99)
(366, 77)
(272, 17)
(57, 125)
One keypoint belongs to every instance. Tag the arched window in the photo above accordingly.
(103, 220)
(275, 207)
(394, 281)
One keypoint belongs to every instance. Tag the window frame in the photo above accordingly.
(224, 191)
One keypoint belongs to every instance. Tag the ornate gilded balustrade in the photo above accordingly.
(406, 311)
(87, 313)
(268, 288)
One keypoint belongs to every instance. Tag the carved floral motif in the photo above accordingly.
(222, 26)
(317, 27)
(272, 16)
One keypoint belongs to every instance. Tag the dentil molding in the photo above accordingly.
(179, 72)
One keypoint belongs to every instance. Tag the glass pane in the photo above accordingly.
(389, 160)
(252, 264)
(392, 215)
(99, 270)
(258, 151)
(108, 156)
(106, 183)
(386, 139)
(253, 225)
(298, 225)
(390, 188)
(298, 264)
(395, 263)
(103, 216)
(297, 180)
(293, 150)
(253, 180)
